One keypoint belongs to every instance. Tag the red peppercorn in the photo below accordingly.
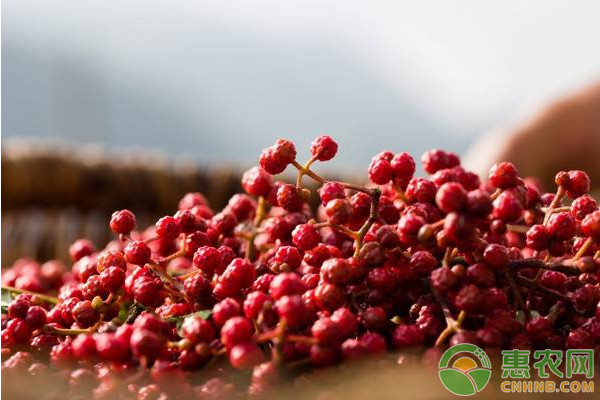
(147, 291)
(578, 184)
(288, 197)
(496, 256)
(479, 203)
(538, 237)
(323, 148)
(306, 237)
(167, 228)
(257, 182)
(137, 252)
(18, 308)
(111, 347)
(504, 175)
(481, 275)
(380, 171)
(322, 356)
(191, 200)
(112, 279)
(329, 296)
(122, 222)
(469, 298)
(346, 320)
(403, 166)
(207, 259)
(111, 258)
(590, 225)
(197, 330)
(288, 255)
(421, 190)
(562, 226)
(224, 310)
(236, 330)
(373, 342)
(422, 263)
(145, 343)
(286, 284)
(18, 331)
(36, 317)
(293, 309)
(407, 336)
(338, 211)
(434, 160)
(85, 314)
(507, 207)
(277, 157)
(326, 331)
(255, 303)
(451, 197)
(242, 206)
(81, 248)
(583, 206)
(443, 279)
(330, 191)
(245, 355)
(224, 222)
(84, 347)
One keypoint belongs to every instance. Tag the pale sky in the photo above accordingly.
(220, 80)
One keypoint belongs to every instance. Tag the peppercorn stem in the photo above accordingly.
(400, 193)
(496, 193)
(305, 171)
(46, 298)
(452, 326)
(261, 212)
(173, 256)
(73, 331)
(172, 285)
(266, 336)
(556, 210)
(427, 231)
(373, 214)
(301, 339)
(279, 341)
(189, 274)
(531, 284)
(67, 332)
(337, 227)
(357, 188)
(517, 293)
(151, 239)
(560, 193)
(586, 245)
(535, 263)
(517, 228)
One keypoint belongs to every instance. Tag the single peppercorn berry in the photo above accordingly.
(323, 148)
(504, 175)
(137, 252)
(167, 228)
(122, 222)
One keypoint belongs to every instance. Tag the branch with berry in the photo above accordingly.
(270, 285)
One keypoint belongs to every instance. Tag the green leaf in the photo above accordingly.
(204, 314)
(7, 297)
(520, 316)
(133, 311)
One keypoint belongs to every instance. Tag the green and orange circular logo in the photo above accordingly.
(465, 369)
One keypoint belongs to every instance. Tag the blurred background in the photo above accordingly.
(111, 104)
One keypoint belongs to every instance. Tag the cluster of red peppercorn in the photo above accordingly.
(268, 286)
